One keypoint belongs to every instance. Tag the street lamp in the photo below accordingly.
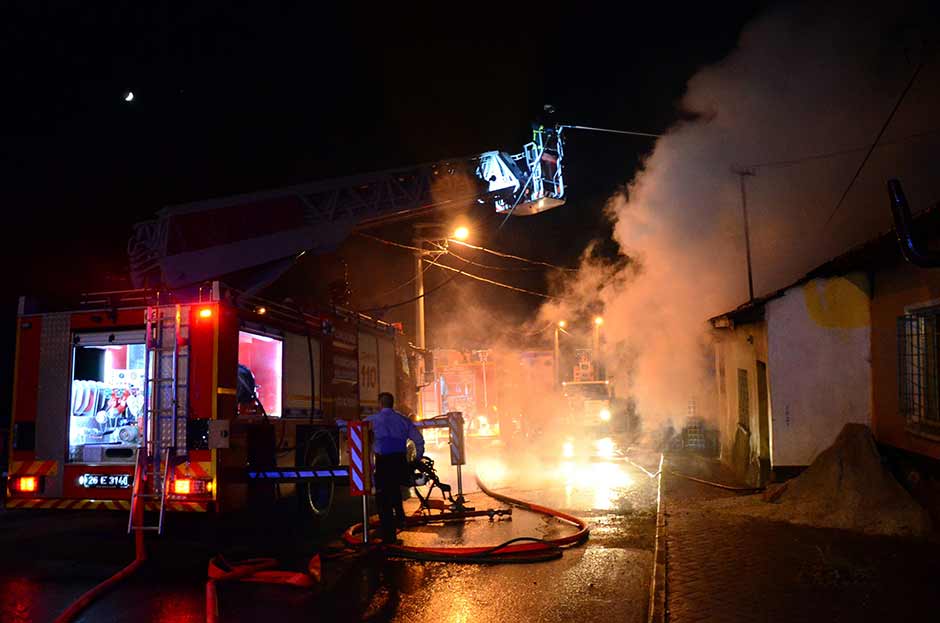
(462, 233)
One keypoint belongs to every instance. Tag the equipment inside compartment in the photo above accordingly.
(107, 402)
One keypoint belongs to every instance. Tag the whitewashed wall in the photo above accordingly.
(819, 365)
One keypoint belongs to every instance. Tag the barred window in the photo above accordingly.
(919, 381)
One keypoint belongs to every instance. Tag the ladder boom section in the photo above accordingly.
(205, 240)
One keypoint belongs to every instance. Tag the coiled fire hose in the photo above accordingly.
(518, 550)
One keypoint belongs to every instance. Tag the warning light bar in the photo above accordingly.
(26, 484)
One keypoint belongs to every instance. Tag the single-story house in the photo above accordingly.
(855, 340)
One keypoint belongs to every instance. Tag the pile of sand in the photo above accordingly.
(846, 487)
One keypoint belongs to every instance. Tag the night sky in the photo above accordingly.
(231, 99)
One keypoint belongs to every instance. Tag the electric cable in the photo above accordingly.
(542, 330)
(840, 152)
(881, 132)
(434, 262)
(510, 256)
(502, 254)
(495, 283)
(491, 267)
(388, 242)
(411, 300)
(412, 280)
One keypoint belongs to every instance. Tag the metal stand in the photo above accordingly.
(365, 519)
(459, 483)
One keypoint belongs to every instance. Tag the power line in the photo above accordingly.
(405, 283)
(542, 330)
(492, 282)
(884, 127)
(470, 246)
(461, 272)
(481, 265)
(413, 299)
(511, 256)
(388, 242)
(491, 267)
(841, 152)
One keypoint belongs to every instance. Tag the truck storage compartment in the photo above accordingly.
(260, 374)
(107, 396)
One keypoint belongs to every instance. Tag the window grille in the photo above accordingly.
(918, 378)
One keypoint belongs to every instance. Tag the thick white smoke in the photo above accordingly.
(802, 82)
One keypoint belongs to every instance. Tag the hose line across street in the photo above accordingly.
(518, 550)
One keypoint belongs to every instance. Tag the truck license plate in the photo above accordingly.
(106, 481)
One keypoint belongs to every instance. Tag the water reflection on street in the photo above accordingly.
(50, 560)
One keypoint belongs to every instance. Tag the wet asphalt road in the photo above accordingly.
(48, 558)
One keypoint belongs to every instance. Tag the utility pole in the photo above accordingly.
(484, 355)
(419, 294)
(419, 307)
(438, 238)
(596, 348)
(559, 326)
(742, 173)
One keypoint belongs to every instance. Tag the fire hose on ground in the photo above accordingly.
(525, 549)
(517, 550)
(254, 570)
(140, 556)
(718, 485)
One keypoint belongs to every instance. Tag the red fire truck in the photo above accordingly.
(465, 382)
(183, 391)
(501, 393)
(197, 380)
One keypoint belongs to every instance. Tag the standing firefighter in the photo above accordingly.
(392, 430)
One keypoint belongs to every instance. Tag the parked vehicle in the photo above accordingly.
(209, 386)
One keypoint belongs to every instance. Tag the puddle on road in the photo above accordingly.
(617, 499)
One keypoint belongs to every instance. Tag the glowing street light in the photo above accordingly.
(129, 96)
(462, 233)
(562, 324)
(598, 321)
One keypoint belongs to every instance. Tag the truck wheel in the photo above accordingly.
(320, 452)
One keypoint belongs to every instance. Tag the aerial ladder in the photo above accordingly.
(256, 237)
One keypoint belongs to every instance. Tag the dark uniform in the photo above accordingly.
(391, 431)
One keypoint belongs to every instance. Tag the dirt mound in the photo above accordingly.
(846, 487)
